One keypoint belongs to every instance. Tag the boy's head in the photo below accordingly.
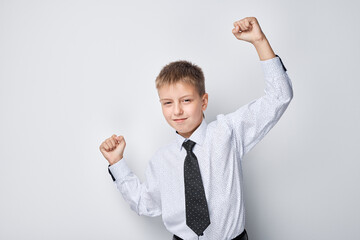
(181, 89)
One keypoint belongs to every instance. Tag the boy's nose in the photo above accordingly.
(178, 110)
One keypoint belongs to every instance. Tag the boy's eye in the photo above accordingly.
(165, 103)
(187, 100)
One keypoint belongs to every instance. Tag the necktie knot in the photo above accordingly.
(188, 145)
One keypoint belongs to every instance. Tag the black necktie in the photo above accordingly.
(197, 213)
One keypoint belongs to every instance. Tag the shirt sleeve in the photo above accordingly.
(251, 122)
(143, 198)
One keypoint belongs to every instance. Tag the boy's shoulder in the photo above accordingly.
(166, 147)
(222, 124)
(164, 150)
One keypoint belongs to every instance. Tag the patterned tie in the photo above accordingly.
(197, 213)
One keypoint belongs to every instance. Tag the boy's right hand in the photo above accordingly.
(113, 148)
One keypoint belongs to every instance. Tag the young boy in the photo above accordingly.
(195, 182)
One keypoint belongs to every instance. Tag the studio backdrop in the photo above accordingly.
(72, 73)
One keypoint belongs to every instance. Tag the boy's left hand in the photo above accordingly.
(248, 29)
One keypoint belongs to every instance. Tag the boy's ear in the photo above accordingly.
(204, 100)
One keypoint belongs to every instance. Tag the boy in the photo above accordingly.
(195, 182)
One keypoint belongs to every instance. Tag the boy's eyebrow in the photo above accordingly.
(188, 95)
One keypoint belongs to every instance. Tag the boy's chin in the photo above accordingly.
(179, 131)
(183, 132)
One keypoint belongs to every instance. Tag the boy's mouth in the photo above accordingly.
(180, 120)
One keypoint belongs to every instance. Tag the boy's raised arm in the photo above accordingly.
(253, 121)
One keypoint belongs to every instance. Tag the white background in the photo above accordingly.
(72, 73)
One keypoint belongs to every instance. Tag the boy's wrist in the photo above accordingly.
(119, 170)
(264, 49)
(259, 41)
(115, 161)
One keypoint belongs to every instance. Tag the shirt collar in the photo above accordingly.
(197, 136)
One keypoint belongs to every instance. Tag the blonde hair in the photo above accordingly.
(183, 71)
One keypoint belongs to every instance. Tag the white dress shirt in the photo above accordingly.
(220, 147)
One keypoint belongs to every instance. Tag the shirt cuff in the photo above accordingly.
(273, 67)
(119, 170)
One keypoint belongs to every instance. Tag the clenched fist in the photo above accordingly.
(113, 148)
(248, 29)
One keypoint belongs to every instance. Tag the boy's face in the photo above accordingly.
(182, 107)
